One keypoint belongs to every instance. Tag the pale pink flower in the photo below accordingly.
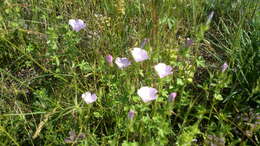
(147, 93)
(109, 59)
(122, 62)
(224, 67)
(139, 54)
(77, 24)
(131, 114)
(172, 96)
(89, 98)
(163, 70)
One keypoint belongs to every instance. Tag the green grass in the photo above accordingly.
(45, 66)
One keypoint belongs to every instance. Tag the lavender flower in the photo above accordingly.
(172, 96)
(122, 62)
(139, 54)
(77, 24)
(147, 93)
(89, 98)
(109, 59)
(131, 114)
(163, 70)
(224, 67)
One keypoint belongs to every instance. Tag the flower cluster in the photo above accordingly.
(146, 93)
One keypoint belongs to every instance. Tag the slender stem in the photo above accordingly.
(4, 131)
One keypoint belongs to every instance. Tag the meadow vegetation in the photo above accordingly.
(211, 96)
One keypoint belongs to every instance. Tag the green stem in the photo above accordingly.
(4, 131)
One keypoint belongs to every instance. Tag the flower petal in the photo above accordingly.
(172, 96)
(89, 98)
(163, 70)
(139, 54)
(109, 59)
(77, 24)
(122, 62)
(224, 67)
(131, 114)
(147, 93)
